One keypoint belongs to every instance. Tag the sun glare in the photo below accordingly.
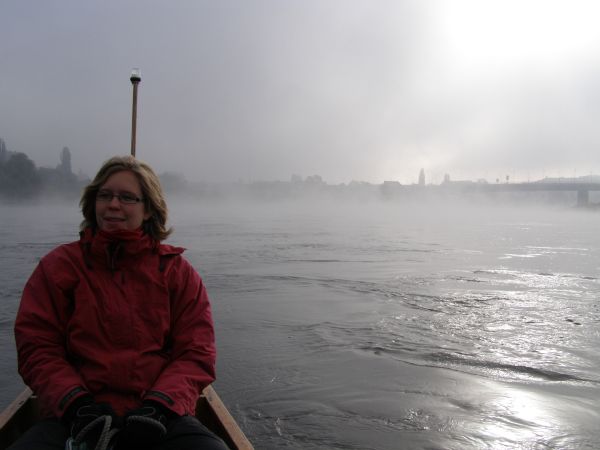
(492, 35)
(516, 416)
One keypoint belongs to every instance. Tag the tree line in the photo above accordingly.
(21, 179)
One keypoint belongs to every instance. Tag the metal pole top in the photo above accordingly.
(136, 75)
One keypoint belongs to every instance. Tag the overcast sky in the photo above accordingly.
(350, 90)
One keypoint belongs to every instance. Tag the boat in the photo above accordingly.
(211, 411)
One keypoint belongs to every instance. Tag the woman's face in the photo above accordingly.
(124, 213)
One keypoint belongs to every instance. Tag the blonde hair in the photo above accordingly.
(154, 201)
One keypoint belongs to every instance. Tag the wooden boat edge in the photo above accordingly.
(17, 417)
(225, 426)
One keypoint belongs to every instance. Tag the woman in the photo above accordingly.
(114, 332)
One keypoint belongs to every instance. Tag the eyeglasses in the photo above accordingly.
(125, 198)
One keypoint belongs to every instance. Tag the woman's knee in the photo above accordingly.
(188, 432)
(48, 434)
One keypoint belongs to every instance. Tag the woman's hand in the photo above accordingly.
(85, 419)
(146, 425)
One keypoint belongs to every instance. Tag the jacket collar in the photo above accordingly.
(112, 249)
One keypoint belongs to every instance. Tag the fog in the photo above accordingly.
(290, 138)
(348, 90)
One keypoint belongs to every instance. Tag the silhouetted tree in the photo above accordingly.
(19, 177)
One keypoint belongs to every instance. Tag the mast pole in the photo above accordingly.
(135, 80)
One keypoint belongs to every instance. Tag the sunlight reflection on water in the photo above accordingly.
(523, 419)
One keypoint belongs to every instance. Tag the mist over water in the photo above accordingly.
(378, 325)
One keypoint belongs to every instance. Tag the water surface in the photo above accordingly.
(380, 326)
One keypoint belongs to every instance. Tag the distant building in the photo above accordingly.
(390, 189)
(314, 180)
(65, 161)
(422, 177)
(3, 152)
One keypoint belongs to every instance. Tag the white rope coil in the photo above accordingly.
(105, 436)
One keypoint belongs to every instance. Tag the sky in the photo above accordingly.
(345, 89)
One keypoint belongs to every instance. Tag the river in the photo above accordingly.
(379, 325)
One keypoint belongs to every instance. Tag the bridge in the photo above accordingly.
(395, 189)
(582, 189)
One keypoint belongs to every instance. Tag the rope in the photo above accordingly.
(105, 436)
(107, 433)
(155, 423)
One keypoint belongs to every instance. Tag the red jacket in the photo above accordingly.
(120, 316)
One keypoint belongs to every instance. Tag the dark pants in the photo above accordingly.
(183, 433)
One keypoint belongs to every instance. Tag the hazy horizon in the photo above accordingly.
(348, 90)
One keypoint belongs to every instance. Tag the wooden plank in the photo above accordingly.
(236, 435)
(13, 408)
(17, 418)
